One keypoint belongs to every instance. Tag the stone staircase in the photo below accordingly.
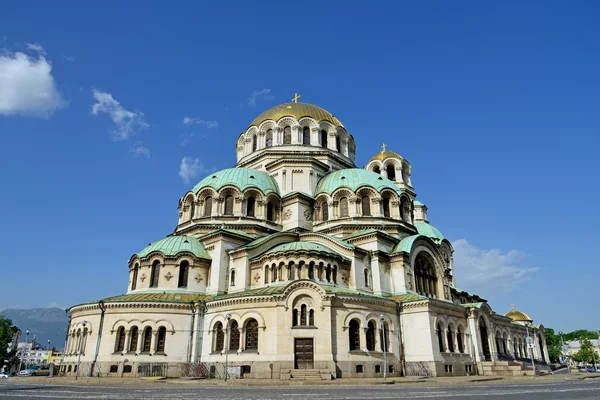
(505, 368)
(305, 375)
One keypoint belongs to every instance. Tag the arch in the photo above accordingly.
(323, 137)
(376, 169)
(440, 336)
(459, 339)
(287, 135)
(251, 206)
(354, 334)
(133, 342)
(254, 143)
(425, 277)
(219, 336)
(485, 343)
(184, 268)
(134, 277)
(338, 145)
(371, 335)
(324, 211)
(251, 331)
(120, 340)
(228, 205)
(303, 315)
(234, 335)
(391, 172)
(232, 278)
(270, 212)
(146, 339)
(306, 135)
(405, 210)
(155, 274)
(450, 338)
(295, 319)
(161, 339)
(311, 317)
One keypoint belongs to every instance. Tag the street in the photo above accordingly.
(563, 390)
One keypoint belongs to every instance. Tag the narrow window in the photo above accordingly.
(324, 138)
(251, 206)
(391, 173)
(371, 336)
(234, 336)
(134, 278)
(366, 277)
(252, 335)
(311, 317)
(120, 340)
(147, 340)
(303, 314)
(219, 336)
(270, 211)
(155, 274)
(229, 205)
(450, 339)
(377, 170)
(269, 138)
(440, 335)
(295, 317)
(184, 268)
(232, 280)
(254, 143)
(366, 206)
(311, 271)
(306, 135)
(192, 209)
(134, 339)
(208, 206)
(354, 335)
(343, 207)
(459, 340)
(386, 207)
(324, 211)
(337, 143)
(287, 135)
(162, 338)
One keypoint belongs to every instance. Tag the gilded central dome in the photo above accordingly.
(296, 110)
(517, 315)
(383, 155)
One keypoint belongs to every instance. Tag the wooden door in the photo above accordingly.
(303, 353)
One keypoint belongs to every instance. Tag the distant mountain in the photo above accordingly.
(45, 323)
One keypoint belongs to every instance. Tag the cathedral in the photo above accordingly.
(296, 263)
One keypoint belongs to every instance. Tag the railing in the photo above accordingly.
(153, 369)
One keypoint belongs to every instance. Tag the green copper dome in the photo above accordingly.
(353, 179)
(242, 178)
(426, 229)
(301, 246)
(173, 245)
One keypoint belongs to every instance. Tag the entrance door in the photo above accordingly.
(303, 353)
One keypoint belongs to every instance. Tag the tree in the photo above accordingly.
(7, 333)
(586, 353)
(580, 334)
(553, 343)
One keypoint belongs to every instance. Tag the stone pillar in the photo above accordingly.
(474, 344)
(363, 338)
(241, 333)
(314, 136)
(376, 207)
(296, 132)
(331, 140)
(127, 339)
(138, 350)
(153, 342)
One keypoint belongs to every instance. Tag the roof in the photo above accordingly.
(354, 178)
(173, 245)
(296, 110)
(153, 297)
(426, 229)
(242, 178)
(383, 155)
(418, 203)
(405, 244)
(301, 246)
(406, 297)
(518, 316)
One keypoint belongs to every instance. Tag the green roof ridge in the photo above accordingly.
(354, 178)
(173, 245)
(242, 178)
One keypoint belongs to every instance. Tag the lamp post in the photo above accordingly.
(563, 352)
(26, 336)
(383, 346)
(530, 345)
(228, 316)
(84, 322)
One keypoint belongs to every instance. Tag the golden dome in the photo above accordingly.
(382, 155)
(518, 315)
(296, 110)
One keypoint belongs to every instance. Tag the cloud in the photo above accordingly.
(489, 268)
(190, 168)
(36, 47)
(27, 86)
(198, 121)
(127, 123)
(264, 94)
(139, 150)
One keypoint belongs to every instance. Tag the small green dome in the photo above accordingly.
(426, 229)
(173, 245)
(242, 178)
(301, 246)
(354, 178)
(405, 245)
(418, 203)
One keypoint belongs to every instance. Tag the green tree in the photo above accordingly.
(586, 353)
(553, 343)
(580, 334)
(7, 333)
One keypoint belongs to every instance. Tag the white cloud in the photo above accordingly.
(127, 123)
(139, 150)
(198, 121)
(36, 47)
(190, 168)
(488, 269)
(27, 86)
(264, 94)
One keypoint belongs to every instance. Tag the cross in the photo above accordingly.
(383, 146)
(296, 97)
(513, 307)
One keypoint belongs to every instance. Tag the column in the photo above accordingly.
(331, 140)
(296, 132)
(363, 338)
(314, 136)
(127, 338)
(138, 350)
(153, 341)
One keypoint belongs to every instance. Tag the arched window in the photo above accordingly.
(155, 274)
(252, 335)
(229, 205)
(377, 170)
(303, 314)
(184, 269)
(354, 335)
(311, 317)
(311, 271)
(250, 206)
(270, 211)
(366, 277)
(232, 280)
(306, 135)
(324, 138)
(269, 138)
(219, 336)
(450, 339)
(366, 206)
(371, 336)
(386, 207)
(337, 143)
(120, 342)
(391, 172)
(324, 211)
(287, 135)
(459, 340)
(162, 338)
(295, 317)
(134, 339)
(405, 210)
(134, 278)
(208, 206)
(343, 207)
(440, 335)
(192, 209)
(147, 340)
(234, 336)
(425, 278)
(254, 143)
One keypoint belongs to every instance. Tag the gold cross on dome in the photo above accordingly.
(296, 97)
(513, 307)
(383, 146)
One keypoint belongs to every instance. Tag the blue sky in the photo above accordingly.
(495, 106)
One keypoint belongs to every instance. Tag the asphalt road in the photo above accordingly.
(576, 390)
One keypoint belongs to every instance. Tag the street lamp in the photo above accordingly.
(84, 322)
(228, 316)
(563, 352)
(383, 346)
(48, 344)
(26, 336)
(530, 345)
